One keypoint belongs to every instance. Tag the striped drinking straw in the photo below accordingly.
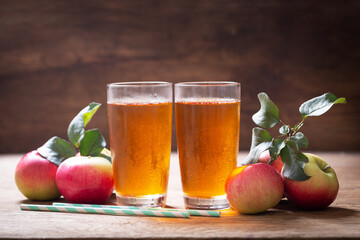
(109, 211)
(204, 213)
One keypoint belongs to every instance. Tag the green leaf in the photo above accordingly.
(90, 111)
(106, 157)
(259, 135)
(319, 105)
(105, 153)
(76, 129)
(255, 153)
(275, 149)
(261, 141)
(300, 139)
(294, 162)
(56, 150)
(92, 143)
(285, 129)
(268, 115)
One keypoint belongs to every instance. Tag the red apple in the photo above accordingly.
(85, 179)
(319, 191)
(35, 177)
(254, 188)
(277, 164)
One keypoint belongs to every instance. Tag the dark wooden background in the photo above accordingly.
(57, 56)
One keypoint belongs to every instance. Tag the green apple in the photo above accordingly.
(319, 191)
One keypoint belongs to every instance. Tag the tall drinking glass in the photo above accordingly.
(207, 128)
(139, 115)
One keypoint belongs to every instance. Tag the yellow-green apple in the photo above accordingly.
(319, 191)
(85, 179)
(277, 163)
(35, 177)
(254, 188)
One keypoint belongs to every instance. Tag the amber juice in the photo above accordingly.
(208, 140)
(140, 139)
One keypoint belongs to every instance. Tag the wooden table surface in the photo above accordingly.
(340, 220)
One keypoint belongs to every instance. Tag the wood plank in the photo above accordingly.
(57, 57)
(341, 220)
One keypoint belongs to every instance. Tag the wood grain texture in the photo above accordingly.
(340, 221)
(57, 56)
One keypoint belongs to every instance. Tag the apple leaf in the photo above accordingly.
(294, 162)
(285, 129)
(300, 139)
(261, 141)
(275, 149)
(255, 153)
(259, 135)
(56, 150)
(76, 129)
(106, 157)
(92, 143)
(268, 115)
(105, 153)
(319, 105)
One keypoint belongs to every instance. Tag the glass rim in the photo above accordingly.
(139, 84)
(207, 84)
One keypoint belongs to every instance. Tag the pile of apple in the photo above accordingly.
(79, 169)
(257, 187)
(276, 167)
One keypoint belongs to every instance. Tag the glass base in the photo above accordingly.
(157, 200)
(218, 202)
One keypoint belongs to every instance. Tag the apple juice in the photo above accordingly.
(208, 142)
(140, 139)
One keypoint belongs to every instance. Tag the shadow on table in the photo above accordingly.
(110, 201)
(286, 210)
(329, 212)
(37, 202)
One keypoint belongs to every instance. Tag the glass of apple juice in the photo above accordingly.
(139, 115)
(207, 118)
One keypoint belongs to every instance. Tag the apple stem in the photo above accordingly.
(298, 126)
(326, 168)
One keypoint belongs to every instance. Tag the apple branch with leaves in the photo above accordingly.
(86, 142)
(290, 141)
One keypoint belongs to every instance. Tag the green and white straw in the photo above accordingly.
(104, 210)
(204, 213)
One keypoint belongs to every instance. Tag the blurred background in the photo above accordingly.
(57, 56)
